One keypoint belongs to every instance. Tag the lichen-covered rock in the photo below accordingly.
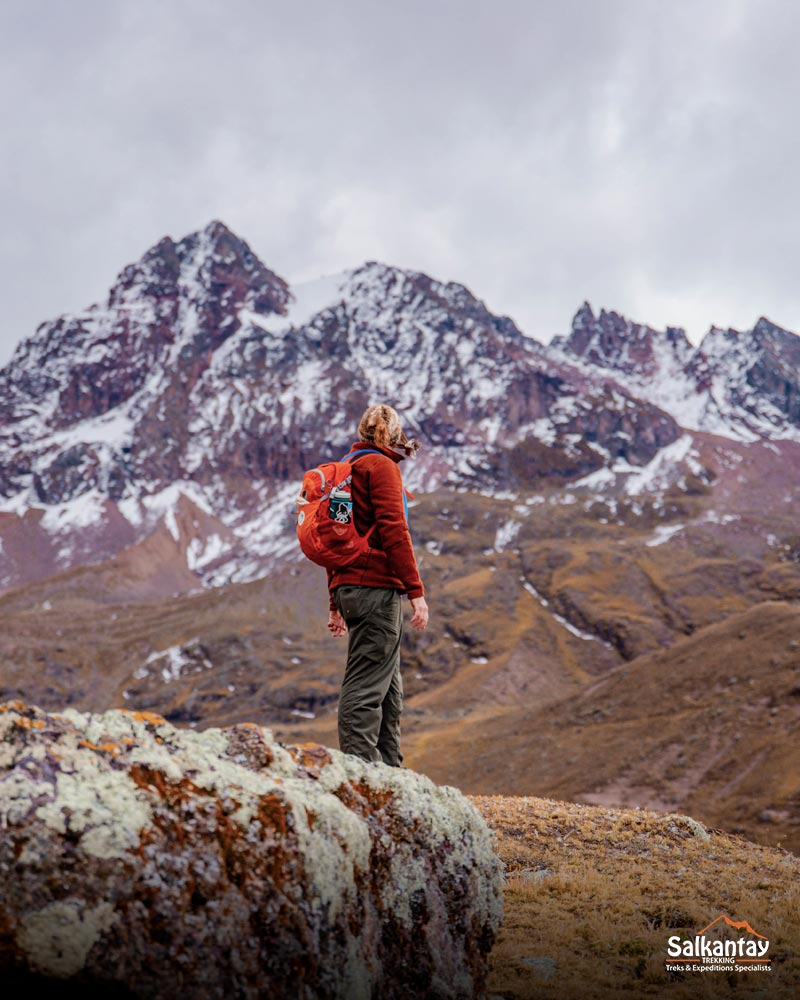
(164, 862)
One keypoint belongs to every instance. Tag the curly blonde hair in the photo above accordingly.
(381, 425)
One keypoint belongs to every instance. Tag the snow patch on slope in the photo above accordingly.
(572, 629)
(659, 471)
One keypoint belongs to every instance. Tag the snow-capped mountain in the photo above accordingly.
(97, 400)
(742, 385)
(203, 365)
(191, 401)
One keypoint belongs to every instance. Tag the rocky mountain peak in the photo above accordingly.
(612, 341)
(749, 345)
(205, 375)
(210, 263)
(374, 288)
(753, 375)
(739, 384)
(766, 326)
(165, 314)
(781, 343)
(718, 335)
(584, 317)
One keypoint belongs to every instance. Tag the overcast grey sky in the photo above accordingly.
(640, 154)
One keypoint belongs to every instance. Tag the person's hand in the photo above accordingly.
(419, 619)
(336, 624)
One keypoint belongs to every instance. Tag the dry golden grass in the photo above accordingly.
(598, 892)
(707, 727)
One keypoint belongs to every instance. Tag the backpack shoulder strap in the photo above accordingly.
(353, 455)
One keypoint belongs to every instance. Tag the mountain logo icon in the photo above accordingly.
(739, 925)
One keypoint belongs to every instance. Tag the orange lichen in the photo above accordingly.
(310, 756)
(107, 747)
(153, 718)
(27, 723)
(149, 777)
(362, 798)
(271, 813)
(312, 751)
(14, 706)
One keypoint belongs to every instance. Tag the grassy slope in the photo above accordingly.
(599, 891)
(500, 695)
(710, 726)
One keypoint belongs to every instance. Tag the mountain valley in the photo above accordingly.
(605, 526)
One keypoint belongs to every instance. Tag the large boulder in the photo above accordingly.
(152, 861)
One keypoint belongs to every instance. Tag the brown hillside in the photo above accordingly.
(710, 726)
(592, 896)
(534, 600)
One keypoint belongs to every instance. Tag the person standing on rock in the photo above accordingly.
(366, 597)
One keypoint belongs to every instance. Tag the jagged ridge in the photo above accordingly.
(205, 376)
(743, 385)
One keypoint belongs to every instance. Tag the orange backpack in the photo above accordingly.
(326, 527)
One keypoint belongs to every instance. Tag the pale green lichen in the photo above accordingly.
(675, 821)
(77, 719)
(57, 939)
(105, 807)
(407, 878)
(19, 789)
(335, 851)
(446, 819)
(92, 794)
(8, 751)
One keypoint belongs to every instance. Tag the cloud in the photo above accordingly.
(634, 153)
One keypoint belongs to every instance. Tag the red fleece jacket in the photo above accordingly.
(377, 491)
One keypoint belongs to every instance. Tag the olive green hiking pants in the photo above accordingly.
(372, 691)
